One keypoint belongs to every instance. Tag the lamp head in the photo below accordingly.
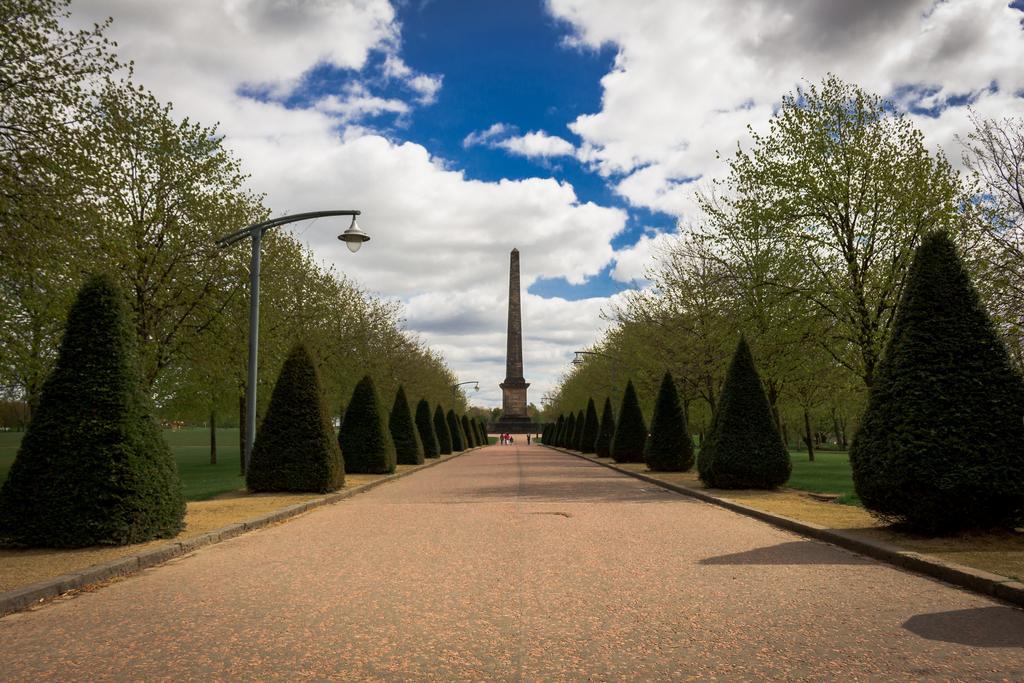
(354, 237)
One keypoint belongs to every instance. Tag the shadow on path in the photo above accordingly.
(978, 627)
(794, 552)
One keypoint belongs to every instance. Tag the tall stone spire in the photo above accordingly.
(513, 389)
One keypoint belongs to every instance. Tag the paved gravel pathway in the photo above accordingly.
(518, 563)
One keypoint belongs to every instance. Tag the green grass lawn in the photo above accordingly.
(191, 448)
(829, 473)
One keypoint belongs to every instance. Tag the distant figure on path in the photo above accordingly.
(527, 439)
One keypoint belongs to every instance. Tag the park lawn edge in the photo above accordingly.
(976, 579)
(34, 594)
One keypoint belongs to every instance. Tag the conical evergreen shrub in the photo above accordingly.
(569, 435)
(366, 443)
(743, 449)
(577, 436)
(556, 434)
(467, 429)
(605, 433)
(631, 432)
(295, 448)
(941, 445)
(591, 426)
(545, 433)
(93, 467)
(482, 427)
(425, 428)
(453, 428)
(668, 448)
(444, 435)
(408, 447)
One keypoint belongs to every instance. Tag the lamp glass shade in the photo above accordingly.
(353, 237)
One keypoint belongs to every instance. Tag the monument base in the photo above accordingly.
(514, 425)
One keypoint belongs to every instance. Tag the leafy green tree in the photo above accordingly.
(467, 429)
(295, 448)
(458, 441)
(851, 188)
(591, 427)
(744, 449)
(668, 448)
(940, 445)
(408, 447)
(366, 444)
(444, 435)
(631, 432)
(603, 444)
(93, 467)
(425, 427)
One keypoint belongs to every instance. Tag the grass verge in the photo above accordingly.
(191, 448)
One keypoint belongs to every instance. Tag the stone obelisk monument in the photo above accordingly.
(514, 418)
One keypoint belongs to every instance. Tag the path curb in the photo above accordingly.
(25, 597)
(977, 580)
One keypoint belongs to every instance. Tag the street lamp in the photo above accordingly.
(455, 388)
(579, 359)
(353, 238)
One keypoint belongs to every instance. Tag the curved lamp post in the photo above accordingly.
(579, 360)
(353, 238)
(455, 388)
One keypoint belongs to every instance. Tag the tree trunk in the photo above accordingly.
(808, 439)
(213, 436)
(241, 434)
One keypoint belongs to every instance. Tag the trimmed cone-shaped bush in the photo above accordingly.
(366, 443)
(467, 429)
(545, 433)
(444, 435)
(408, 447)
(453, 428)
(93, 467)
(569, 435)
(482, 431)
(605, 433)
(295, 448)
(743, 449)
(668, 448)
(631, 432)
(556, 432)
(591, 426)
(425, 428)
(941, 445)
(577, 436)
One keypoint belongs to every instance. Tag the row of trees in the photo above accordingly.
(296, 448)
(93, 467)
(743, 450)
(938, 447)
(804, 247)
(97, 175)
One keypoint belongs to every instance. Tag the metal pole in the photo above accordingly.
(254, 335)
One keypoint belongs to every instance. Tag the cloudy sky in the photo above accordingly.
(575, 130)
